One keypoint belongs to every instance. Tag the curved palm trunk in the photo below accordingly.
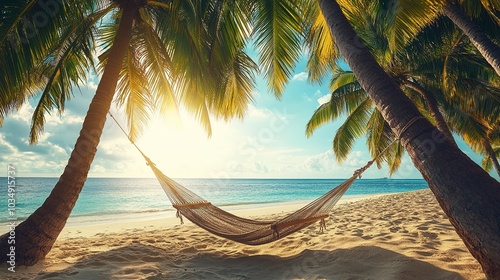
(491, 154)
(467, 194)
(433, 108)
(489, 50)
(35, 236)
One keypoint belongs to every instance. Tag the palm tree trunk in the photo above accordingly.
(491, 154)
(467, 194)
(36, 235)
(433, 108)
(489, 50)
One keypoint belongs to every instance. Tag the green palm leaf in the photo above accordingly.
(405, 19)
(157, 62)
(322, 115)
(69, 65)
(133, 91)
(352, 128)
(237, 91)
(322, 51)
(278, 28)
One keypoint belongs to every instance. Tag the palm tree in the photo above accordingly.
(467, 194)
(478, 19)
(156, 55)
(349, 99)
(454, 11)
(431, 65)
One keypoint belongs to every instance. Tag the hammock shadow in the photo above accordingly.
(150, 262)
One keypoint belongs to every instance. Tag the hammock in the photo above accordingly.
(247, 231)
(252, 232)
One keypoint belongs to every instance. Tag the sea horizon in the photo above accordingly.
(133, 197)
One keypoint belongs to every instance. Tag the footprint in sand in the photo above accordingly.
(394, 229)
(56, 275)
(148, 271)
(250, 251)
(189, 250)
(424, 253)
(128, 271)
(357, 232)
(201, 246)
(151, 259)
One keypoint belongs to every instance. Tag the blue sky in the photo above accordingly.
(268, 143)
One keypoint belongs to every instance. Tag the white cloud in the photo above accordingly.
(302, 76)
(321, 162)
(91, 85)
(98, 169)
(56, 150)
(5, 144)
(23, 114)
(356, 159)
(326, 164)
(325, 98)
(254, 112)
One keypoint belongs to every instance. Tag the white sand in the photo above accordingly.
(402, 236)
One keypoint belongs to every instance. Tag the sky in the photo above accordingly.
(269, 142)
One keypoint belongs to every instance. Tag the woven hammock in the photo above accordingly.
(247, 231)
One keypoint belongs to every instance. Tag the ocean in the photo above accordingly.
(125, 197)
(118, 197)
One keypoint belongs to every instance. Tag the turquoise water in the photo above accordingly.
(108, 196)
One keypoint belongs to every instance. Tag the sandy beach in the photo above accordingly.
(399, 236)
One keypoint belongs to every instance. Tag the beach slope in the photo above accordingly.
(401, 236)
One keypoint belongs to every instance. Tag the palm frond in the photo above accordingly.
(394, 161)
(341, 79)
(238, 88)
(322, 51)
(374, 136)
(278, 27)
(347, 98)
(471, 129)
(68, 65)
(353, 128)
(405, 19)
(157, 64)
(347, 95)
(133, 90)
(320, 116)
(29, 30)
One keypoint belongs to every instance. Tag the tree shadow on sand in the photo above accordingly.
(138, 261)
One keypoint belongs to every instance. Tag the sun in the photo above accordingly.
(183, 148)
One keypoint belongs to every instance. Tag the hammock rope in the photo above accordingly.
(252, 232)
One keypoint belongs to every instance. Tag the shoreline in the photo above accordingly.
(254, 210)
(398, 236)
(121, 198)
(110, 224)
